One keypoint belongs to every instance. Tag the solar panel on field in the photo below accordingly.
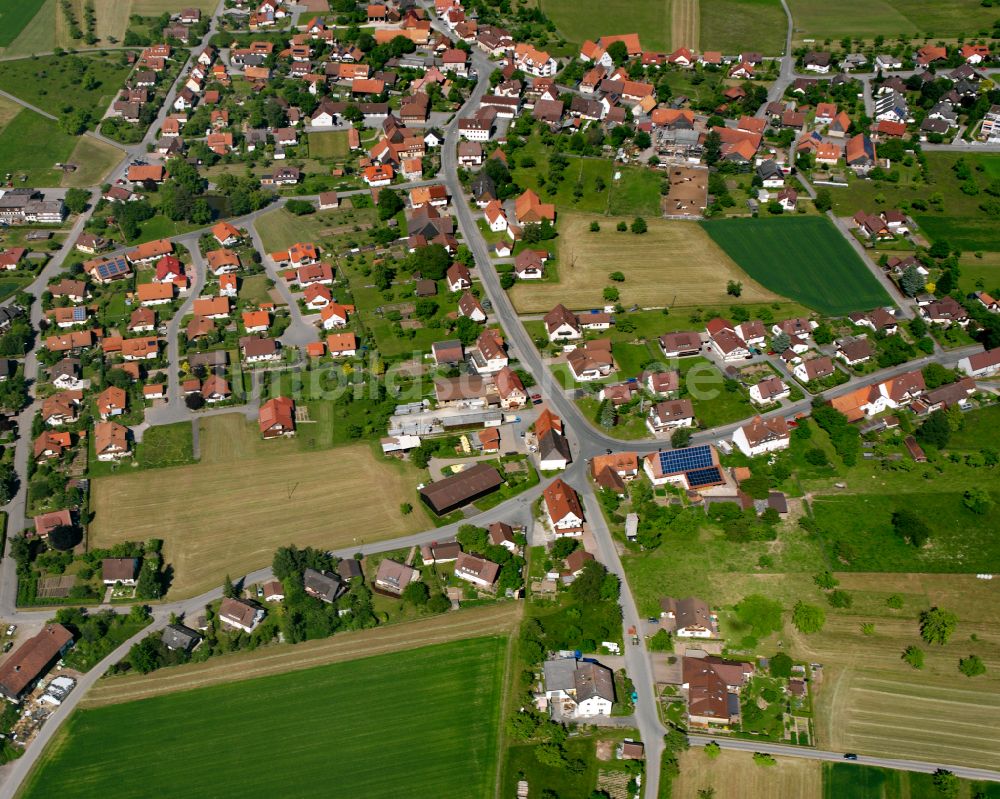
(703, 477)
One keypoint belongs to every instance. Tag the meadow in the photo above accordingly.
(848, 781)
(31, 145)
(330, 144)
(578, 20)
(734, 26)
(75, 82)
(636, 192)
(734, 775)
(366, 726)
(672, 264)
(94, 158)
(246, 497)
(866, 19)
(804, 258)
(14, 16)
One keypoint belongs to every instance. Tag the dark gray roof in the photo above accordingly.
(349, 568)
(322, 585)
(177, 636)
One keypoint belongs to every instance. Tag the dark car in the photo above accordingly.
(850, 756)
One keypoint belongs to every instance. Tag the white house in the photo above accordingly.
(982, 364)
(240, 615)
(578, 689)
(761, 436)
(562, 506)
(768, 390)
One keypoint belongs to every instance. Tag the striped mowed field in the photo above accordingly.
(417, 723)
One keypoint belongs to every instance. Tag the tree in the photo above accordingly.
(611, 294)
(912, 282)
(76, 200)
(936, 625)
(617, 277)
(840, 599)
(618, 52)
(946, 783)
(389, 204)
(681, 437)
(914, 656)
(65, 537)
(764, 759)
(416, 593)
(824, 200)
(894, 601)
(639, 225)
(713, 148)
(972, 666)
(300, 207)
(595, 227)
(816, 457)
(438, 603)
(935, 431)
(825, 580)
(195, 401)
(564, 546)
(229, 589)
(734, 288)
(713, 750)
(978, 500)
(808, 618)
(760, 614)
(781, 342)
(661, 641)
(781, 665)
(910, 527)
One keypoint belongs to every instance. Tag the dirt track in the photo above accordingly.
(281, 658)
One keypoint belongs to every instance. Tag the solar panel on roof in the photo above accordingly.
(79, 314)
(113, 268)
(702, 477)
(683, 460)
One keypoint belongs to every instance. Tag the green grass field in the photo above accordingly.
(74, 82)
(804, 258)
(868, 18)
(963, 233)
(590, 19)
(14, 15)
(848, 781)
(736, 25)
(332, 144)
(31, 145)
(425, 719)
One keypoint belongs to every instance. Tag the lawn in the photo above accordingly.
(161, 446)
(331, 144)
(734, 775)
(416, 715)
(733, 26)
(31, 145)
(672, 264)
(94, 159)
(849, 781)
(74, 82)
(864, 19)
(522, 763)
(591, 19)
(335, 498)
(279, 229)
(804, 258)
(14, 15)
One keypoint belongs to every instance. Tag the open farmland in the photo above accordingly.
(686, 24)
(734, 775)
(246, 497)
(803, 258)
(851, 781)
(674, 263)
(425, 719)
(890, 18)
(94, 158)
(578, 20)
(733, 26)
(14, 16)
(245, 665)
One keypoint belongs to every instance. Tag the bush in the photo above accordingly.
(914, 656)
(972, 666)
(840, 599)
(300, 207)
(808, 618)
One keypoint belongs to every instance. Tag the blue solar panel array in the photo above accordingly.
(684, 460)
(79, 314)
(113, 268)
(704, 477)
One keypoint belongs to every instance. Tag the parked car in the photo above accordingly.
(12, 629)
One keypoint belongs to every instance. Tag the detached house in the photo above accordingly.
(688, 618)
(240, 615)
(563, 509)
(562, 324)
(276, 418)
(761, 436)
(669, 415)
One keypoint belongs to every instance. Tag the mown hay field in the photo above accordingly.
(672, 264)
(228, 513)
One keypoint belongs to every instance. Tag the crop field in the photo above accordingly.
(865, 20)
(578, 20)
(733, 26)
(466, 623)
(803, 258)
(850, 781)
(31, 145)
(734, 775)
(94, 158)
(425, 719)
(674, 263)
(331, 144)
(686, 24)
(246, 497)
(14, 16)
